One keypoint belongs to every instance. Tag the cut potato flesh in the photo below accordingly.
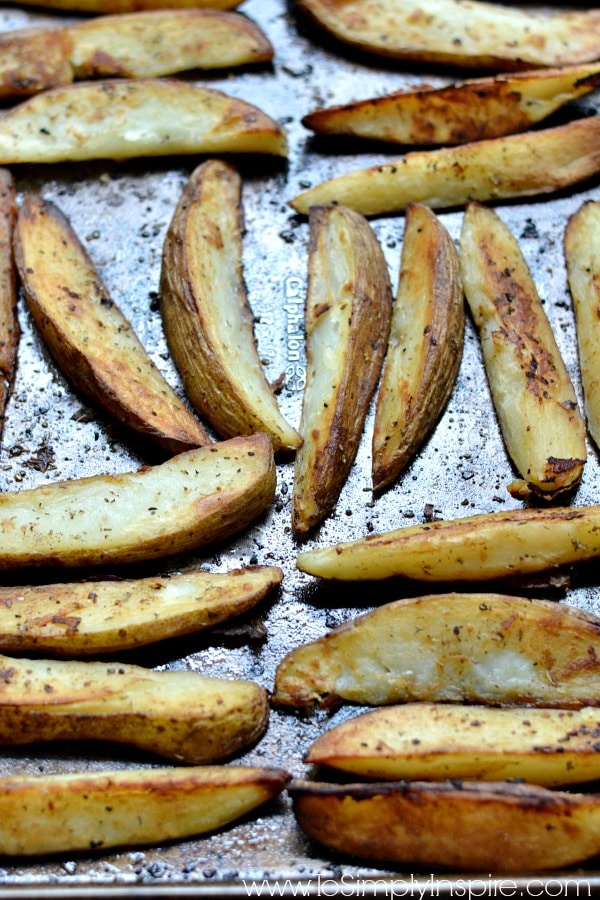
(9, 324)
(478, 648)
(192, 500)
(32, 60)
(126, 6)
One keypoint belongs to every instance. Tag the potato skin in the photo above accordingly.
(9, 323)
(127, 6)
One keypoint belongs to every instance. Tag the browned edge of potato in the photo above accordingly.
(127, 6)
(48, 814)
(457, 113)
(448, 32)
(33, 60)
(519, 165)
(194, 499)
(177, 714)
(425, 345)
(88, 335)
(477, 648)
(206, 313)
(532, 392)
(478, 548)
(347, 321)
(474, 827)
(83, 618)
(165, 116)
(438, 741)
(9, 324)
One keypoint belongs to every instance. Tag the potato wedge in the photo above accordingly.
(425, 345)
(475, 827)
(126, 6)
(9, 323)
(475, 648)
(162, 42)
(42, 814)
(177, 714)
(191, 500)
(474, 110)
(583, 267)
(121, 119)
(436, 741)
(519, 165)
(471, 35)
(207, 318)
(91, 617)
(347, 316)
(88, 335)
(474, 548)
(536, 404)
(33, 60)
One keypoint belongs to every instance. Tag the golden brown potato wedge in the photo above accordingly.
(9, 324)
(476, 648)
(193, 499)
(207, 318)
(473, 35)
(475, 827)
(91, 617)
(536, 404)
(177, 714)
(583, 267)
(347, 316)
(88, 335)
(122, 119)
(126, 6)
(425, 345)
(435, 741)
(474, 548)
(519, 165)
(44, 814)
(32, 60)
(474, 110)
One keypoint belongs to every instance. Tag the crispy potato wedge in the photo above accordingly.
(88, 335)
(478, 548)
(44, 814)
(32, 60)
(476, 648)
(90, 617)
(435, 741)
(583, 267)
(425, 345)
(121, 119)
(347, 317)
(162, 42)
(471, 35)
(474, 110)
(519, 165)
(207, 318)
(176, 714)
(126, 6)
(536, 404)
(474, 827)
(191, 500)
(9, 323)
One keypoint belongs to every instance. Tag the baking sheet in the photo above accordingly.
(121, 212)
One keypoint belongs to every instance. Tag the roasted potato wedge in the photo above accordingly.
(88, 335)
(425, 345)
(90, 617)
(207, 318)
(162, 117)
(474, 35)
(536, 404)
(475, 827)
(474, 110)
(191, 500)
(583, 267)
(347, 316)
(9, 323)
(44, 814)
(126, 6)
(519, 165)
(435, 741)
(474, 548)
(176, 714)
(32, 60)
(477, 648)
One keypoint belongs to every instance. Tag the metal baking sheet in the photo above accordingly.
(121, 212)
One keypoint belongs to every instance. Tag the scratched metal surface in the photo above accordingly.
(121, 212)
